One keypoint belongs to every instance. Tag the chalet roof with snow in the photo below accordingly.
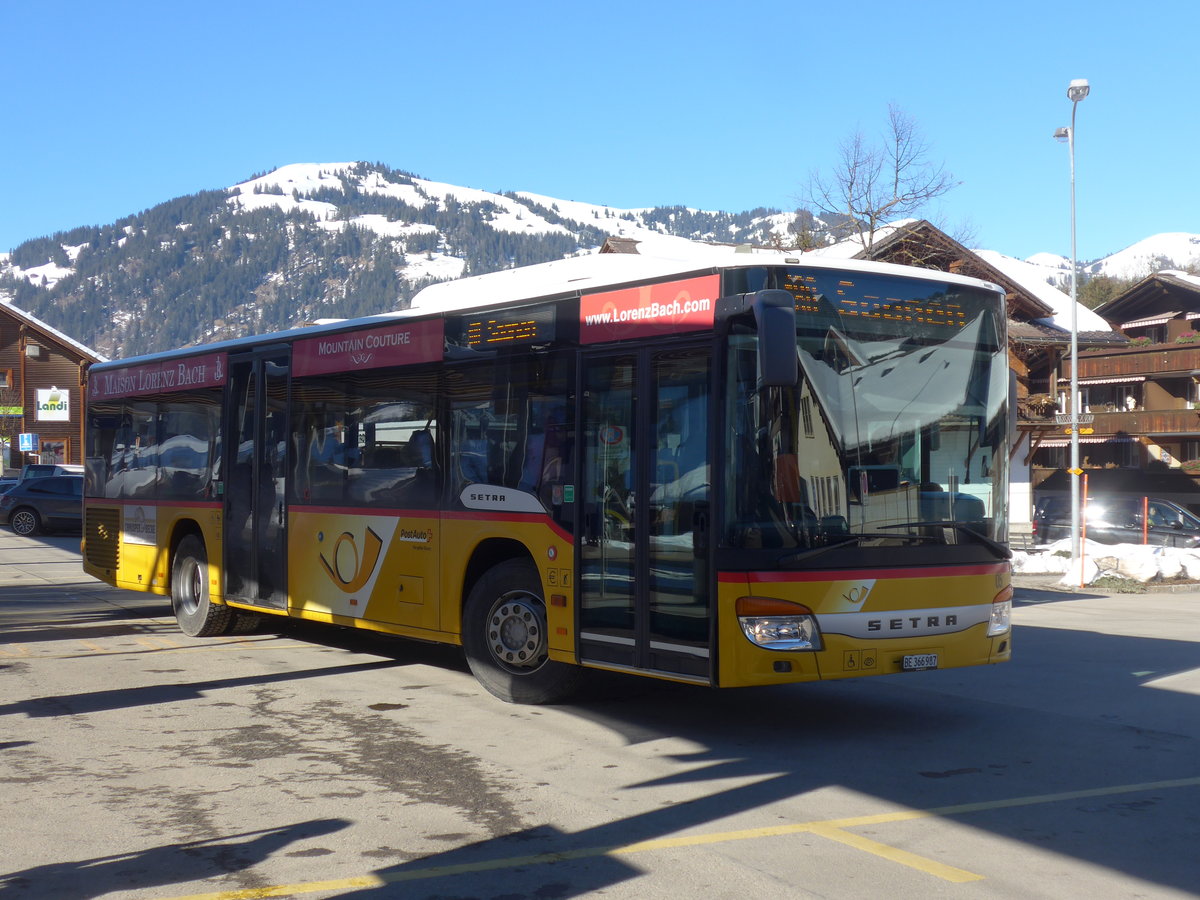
(1158, 297)
(48, 331)
(1035, 311)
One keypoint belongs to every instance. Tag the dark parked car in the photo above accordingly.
(44, 470)
(1118, 520)
(43, 504)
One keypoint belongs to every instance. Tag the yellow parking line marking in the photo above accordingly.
(895, 854)
(22, 651)
(92, 645)
(833, 829)
(157, 643)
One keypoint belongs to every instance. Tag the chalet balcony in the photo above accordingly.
(1148, 422)
(1155, 360)
(1106, 423)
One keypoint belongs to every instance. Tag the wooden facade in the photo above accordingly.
(1148, 393)
(43, 380)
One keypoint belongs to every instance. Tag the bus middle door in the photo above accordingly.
(645, 597)
(255, 497)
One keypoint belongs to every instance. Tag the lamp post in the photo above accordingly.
(1076, 91)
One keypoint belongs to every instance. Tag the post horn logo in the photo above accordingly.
(349, 569)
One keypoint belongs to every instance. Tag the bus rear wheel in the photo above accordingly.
(506, 640)
(191, 601)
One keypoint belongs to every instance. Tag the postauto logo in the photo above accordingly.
(349, 568)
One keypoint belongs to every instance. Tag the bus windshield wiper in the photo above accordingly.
(850, 540)
(964, 528)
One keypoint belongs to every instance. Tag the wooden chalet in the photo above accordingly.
(43, 383)
(1145, 396)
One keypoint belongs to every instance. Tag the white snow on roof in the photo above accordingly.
(1182, 276)
(49, 329)
(848, 248)
(1032, 278)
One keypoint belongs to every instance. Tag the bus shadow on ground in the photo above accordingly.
(150, 695)
(194, 861)
(1021, 777)
(1031, 760)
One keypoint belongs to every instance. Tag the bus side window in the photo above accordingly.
(470, 448)
(510, 427)
(397, 466)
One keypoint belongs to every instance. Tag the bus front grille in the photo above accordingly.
(102, 533)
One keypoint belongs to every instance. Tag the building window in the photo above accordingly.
(806, 415)
(6, 381)
(1193, 394)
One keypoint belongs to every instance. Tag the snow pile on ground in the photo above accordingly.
(1133, 561)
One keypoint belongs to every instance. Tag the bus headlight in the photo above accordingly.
(1001, 620)
(777, 624)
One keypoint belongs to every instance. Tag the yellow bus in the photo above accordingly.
(752, 470)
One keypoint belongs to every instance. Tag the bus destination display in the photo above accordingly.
(859, 299)
(510, 328)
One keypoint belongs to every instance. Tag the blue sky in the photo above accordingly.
(112, 108)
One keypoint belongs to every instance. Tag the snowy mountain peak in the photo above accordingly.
(313, 241)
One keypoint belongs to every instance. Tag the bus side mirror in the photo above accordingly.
(775, 315)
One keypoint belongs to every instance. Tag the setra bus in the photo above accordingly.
(751, 470)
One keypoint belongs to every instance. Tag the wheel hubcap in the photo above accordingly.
(192, 588)
(517, 632)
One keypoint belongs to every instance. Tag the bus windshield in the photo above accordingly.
(894, 435)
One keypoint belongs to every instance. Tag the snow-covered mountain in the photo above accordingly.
(299, 187)
(310, 241)
(1169, 250)
(1173, 250)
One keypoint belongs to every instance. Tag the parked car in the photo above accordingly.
(43, 504)
(1115, 519)
(6, 483)
(43, 470)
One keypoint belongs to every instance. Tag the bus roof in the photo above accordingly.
(597, 271)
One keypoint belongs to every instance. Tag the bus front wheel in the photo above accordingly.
(191, 601)
(506, 640)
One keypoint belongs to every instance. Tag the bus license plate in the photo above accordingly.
(919, 661)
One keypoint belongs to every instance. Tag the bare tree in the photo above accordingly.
(874, 184)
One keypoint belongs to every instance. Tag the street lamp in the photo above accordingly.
(1076, 91)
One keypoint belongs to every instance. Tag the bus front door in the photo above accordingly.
(644, 594)
(255, 498)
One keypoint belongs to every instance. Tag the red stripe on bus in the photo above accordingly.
(852, 574)
(183, 504)
(525, 518)
(386, 512)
